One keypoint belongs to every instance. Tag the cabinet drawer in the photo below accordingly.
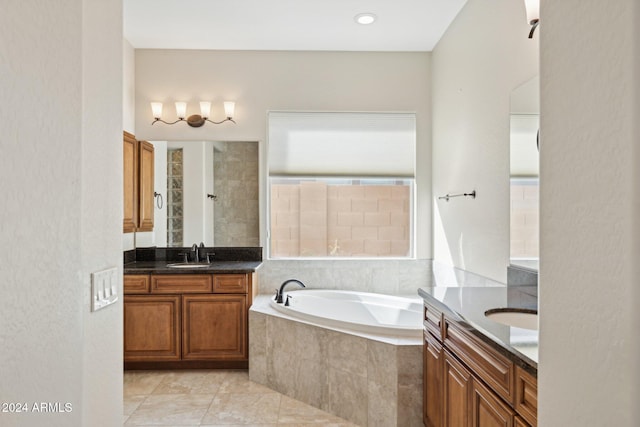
(230, 283)
(433, 321)
(527, 396)
(181, 283)
(490, 366)
(136, 284)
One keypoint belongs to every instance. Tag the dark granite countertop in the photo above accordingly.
(154, 260)
(466, 305)
(160, 267)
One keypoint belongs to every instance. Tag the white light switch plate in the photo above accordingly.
(104, 288)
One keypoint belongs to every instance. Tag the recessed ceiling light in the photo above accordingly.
(365, 18)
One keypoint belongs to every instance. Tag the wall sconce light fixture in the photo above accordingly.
(194, 120)
(533, 14)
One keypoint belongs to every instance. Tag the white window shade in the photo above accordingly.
(341, 144)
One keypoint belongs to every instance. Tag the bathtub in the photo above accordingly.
(355, 355)
(364, 312)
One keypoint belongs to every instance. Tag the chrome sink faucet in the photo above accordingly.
(196, 256)
(280, 292)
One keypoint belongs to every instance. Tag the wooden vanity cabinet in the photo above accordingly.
(469, 384)
(138, 180)
(190, 320)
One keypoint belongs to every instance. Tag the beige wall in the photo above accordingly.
(482, 57)
(590, 214)
(128, 110)
(264, 81)
(61, 169)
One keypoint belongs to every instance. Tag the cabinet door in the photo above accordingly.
(146, 187)
(130, 179)
(151, 327)
(433, 369)
(456, 392)
(214, 327)
(487, 409)
(527, 396)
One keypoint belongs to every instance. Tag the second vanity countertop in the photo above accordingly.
(160, 267)
(466, 305)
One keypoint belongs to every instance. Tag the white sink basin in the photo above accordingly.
(519, 318)
(188, 265)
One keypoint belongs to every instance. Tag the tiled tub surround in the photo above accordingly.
(366, 379)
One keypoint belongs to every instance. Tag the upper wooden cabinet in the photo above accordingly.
(146, 187)
(138, 167)
(130, 166)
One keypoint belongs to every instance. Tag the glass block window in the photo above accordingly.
(174, 198)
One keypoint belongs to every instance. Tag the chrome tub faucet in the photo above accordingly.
(279, 293)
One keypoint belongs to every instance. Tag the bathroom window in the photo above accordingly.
(341, 185)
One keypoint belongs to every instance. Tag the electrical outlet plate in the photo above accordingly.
(104, 288)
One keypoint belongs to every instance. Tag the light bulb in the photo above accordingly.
(156, 108)
(205, 109)
(229, 109)
(181, 109)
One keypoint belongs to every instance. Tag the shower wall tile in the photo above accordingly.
(236, 180)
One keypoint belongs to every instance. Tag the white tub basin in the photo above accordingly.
(519, 318)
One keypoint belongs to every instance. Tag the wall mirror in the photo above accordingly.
(207, 191)
(524, 174)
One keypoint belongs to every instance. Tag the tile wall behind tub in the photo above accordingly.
(394, 277)
(380, 276)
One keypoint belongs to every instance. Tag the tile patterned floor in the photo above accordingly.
(213, 398)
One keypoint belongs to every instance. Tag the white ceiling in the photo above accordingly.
(402, 25)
